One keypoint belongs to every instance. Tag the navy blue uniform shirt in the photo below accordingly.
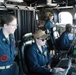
(6, 50)
(48, 25)
(65, 43)
(38, 62)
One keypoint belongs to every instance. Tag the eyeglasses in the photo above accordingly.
(42, 39)
(13, 24)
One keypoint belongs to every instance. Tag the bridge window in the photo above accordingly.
(65, 17)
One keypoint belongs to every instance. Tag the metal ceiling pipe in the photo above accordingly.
(15, 1)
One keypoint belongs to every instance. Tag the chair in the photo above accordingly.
(56, 38)
(24, 45)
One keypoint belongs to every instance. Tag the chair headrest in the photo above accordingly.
(29, 42)
(27, 36)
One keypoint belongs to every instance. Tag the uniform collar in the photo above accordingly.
(3, 38)
(38, 49)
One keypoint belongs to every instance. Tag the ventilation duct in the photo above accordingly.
(15, 1)
(42, 3)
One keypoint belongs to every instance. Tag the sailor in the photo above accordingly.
(7, 45)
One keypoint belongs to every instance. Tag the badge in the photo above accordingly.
(4, 58)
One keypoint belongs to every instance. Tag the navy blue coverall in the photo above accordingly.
(7, 55)
(65, 43)
(49, 26)
(37, 61)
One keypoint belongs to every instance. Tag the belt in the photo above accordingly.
(5, 67)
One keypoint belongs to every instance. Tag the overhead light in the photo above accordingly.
(49, 3)
(1, 0)
(2, 5)
(15, 0)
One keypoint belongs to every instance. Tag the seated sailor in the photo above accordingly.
(39, 59)
(66, 39)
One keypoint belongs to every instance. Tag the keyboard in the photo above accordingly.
(64, 63)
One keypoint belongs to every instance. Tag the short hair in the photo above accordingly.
(7, 18)
(68, 27)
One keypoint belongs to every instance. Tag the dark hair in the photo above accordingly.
(68, 27)
(6, 19)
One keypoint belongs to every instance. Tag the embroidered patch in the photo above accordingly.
(3, 58)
